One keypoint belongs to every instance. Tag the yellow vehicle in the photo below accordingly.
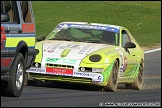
(17, 44)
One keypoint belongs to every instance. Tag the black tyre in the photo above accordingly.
(16, 83)
(139, 80)
(113, 79)
(137, 84)
(26, 79)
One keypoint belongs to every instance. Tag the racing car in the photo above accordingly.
(97, 54)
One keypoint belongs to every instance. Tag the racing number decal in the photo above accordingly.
(125, 64)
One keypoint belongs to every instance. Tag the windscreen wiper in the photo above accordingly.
(60, 39)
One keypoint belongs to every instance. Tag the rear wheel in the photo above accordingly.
(16, 83)
(113, 79)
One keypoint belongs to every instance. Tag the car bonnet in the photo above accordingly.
(69, 50)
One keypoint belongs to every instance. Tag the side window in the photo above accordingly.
(25, 8)
(125, 38)
(10, 7)
(109, 37)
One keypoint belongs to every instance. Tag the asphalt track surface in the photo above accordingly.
(74, 95)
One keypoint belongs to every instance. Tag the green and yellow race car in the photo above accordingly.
(89, 53)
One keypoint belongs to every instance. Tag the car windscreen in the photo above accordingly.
(84, 35)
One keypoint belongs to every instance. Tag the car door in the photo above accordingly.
(129, 58)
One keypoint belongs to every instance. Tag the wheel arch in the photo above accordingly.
(142, 60)
(118, 61)
(22, 47)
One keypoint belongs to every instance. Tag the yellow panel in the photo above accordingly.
(13, 41)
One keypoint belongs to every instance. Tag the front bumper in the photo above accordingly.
(78, 77)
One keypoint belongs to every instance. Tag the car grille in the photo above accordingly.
(59, 66)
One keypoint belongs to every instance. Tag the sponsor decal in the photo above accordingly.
(51, 47)
(88, 26)
(96, 82)
(50, 51)
(70, 46)
(64, 26)
(61, 71)
(36, 70)
(61, 60)
(52, 59)
(85, 74)
(109, 52)
(121, 59)
(99, 78)
(54, 46)
(121, 62)
(121, 69)
(83, 50)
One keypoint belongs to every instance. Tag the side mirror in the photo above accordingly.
(129, 45)
(5, 17)
(36, 51)
(41, 38)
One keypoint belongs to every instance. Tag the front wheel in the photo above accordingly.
(113, 79)
(139, 80)
(137, 84)
(16, 83)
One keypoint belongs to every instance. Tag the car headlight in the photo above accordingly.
(87, 69)
(82, 69)
(95, 58)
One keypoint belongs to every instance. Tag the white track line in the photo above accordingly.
(152, 50)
